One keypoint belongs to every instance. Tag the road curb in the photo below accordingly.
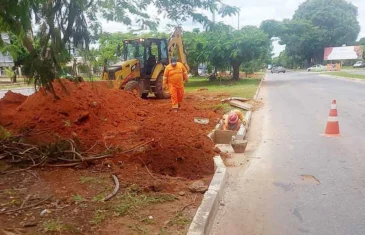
(204, 217)
(249, 113)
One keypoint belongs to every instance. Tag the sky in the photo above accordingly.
(252, 12)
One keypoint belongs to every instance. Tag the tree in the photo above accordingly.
(315, 25)
(272, 28)
(111, 46)
(194, 43)
(328, 23)
(17, 52)
(336, 19)
(362, 41)
(237, 47)
(67, 24)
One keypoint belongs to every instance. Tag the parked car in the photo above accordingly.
(317, 68)
(359, 64)
(278, 69)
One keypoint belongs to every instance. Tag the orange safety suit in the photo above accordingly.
(174, 77)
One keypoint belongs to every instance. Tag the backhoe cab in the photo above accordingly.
(144, 63)
(143, 67)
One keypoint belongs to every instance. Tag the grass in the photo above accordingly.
(99, 198)
(6, 84)
(4, 134)
(346, 75)
(99, 217)
(139, 229)
(8, 87)
(131, 201)
(180, 220)
(67, 123)
(78, 198)
(53, 226)
(86, 179)
(243, 88)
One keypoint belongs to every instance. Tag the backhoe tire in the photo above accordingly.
(144, 95)
(134, 87)
(160, 93)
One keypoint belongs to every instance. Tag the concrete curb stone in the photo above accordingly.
(204, 217)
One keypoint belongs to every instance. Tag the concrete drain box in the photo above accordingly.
(223, 137)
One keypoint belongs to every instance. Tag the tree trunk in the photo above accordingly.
(14, 78)
(236, 70)
(309, 60)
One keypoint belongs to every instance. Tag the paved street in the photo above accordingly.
(24, 91)
(297, 181)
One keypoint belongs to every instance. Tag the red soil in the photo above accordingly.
(91, 113)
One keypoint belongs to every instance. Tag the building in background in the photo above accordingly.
(6, 61)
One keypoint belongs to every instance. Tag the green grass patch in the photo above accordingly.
(78, 198)
(180, 220)
(88, 79)
(99, 216)
(346, 75)
(130, 201)
(243, 88)
(86, 180)
(8, 87)
(53, 226)
(139, 229)
(99, 197)
(225, 107)
(4, 134)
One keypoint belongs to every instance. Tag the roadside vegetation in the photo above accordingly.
(244, 88)
(316, 24)
(346, 75)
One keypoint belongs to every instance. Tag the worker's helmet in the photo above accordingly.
(173, 61)
(233, 118)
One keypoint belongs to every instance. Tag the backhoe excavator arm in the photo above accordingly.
(176, 44)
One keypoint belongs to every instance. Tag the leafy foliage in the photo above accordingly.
(67, 24)
(315, 25)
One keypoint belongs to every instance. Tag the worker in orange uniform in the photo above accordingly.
(174, 77)
(233, 120)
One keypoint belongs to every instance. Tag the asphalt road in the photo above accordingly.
(24, 91)
(297, 181)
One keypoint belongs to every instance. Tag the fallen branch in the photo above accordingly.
(25, 169)
(64, 165)
(25, 201)
(148, 169)
(186, 206)
(116, 188)
(138, 146)
(151, 173)
(26, 207)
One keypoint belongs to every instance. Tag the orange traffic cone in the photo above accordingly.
(333, 127)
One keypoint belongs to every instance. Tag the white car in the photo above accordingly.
(317, 68)
(359, 64)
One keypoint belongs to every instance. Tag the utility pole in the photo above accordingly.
(238, 20)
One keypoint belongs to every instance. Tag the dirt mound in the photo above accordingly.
(95, 116)
(8, 102)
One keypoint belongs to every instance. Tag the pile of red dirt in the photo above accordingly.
(96, 116)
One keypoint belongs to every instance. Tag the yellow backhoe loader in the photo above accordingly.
(144, 62)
